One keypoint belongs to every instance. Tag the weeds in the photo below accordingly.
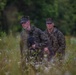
(10, 60)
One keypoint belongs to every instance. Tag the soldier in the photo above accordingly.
(31, 38)
(56, 39)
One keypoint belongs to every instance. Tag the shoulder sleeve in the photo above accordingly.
(61, 41)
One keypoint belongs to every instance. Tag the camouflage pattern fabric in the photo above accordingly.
(56, 42)
(40, 40)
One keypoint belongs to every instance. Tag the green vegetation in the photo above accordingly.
(64, 14)
(10, 61)
(62, 11)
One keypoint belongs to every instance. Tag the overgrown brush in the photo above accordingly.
(10, 60)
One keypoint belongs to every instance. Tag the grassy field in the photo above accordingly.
(10, 62)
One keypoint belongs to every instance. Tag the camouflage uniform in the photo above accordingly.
(56, 42)
(39, 37)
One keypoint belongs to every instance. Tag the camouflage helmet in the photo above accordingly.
(49, 20)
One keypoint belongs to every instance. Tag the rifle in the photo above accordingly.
(30, 41)
(33, 52)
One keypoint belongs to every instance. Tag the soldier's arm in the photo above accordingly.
(62, 44)
(21, 47)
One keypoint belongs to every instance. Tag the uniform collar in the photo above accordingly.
(32, 29)
(54, 30)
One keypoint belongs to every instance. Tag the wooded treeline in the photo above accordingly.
(62, 11)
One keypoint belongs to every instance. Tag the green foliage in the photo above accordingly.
(2, 34)
(62, 11)
(2, 4)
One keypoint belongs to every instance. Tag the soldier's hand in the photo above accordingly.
(46, 50)
(33, 46)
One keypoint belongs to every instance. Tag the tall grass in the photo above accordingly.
(10, 61)
(9, 55)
